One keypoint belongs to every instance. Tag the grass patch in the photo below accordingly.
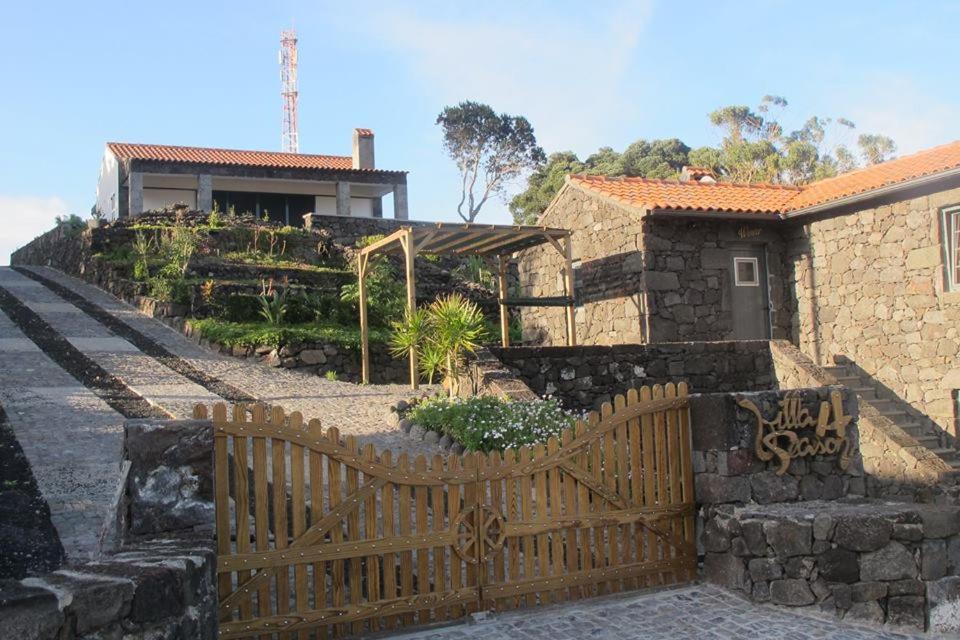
(261, 334)
(261, 258)
(488, 423)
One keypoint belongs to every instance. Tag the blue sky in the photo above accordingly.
(76, 75)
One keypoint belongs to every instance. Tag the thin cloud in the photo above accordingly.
(24, 218)
(565, 73)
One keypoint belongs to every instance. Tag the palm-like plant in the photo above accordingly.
(442, 335)
(273, 306)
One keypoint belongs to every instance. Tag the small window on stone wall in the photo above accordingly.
(951, 247)
(746, 272)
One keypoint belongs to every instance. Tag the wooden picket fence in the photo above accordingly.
(330, 539)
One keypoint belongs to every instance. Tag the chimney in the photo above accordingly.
(363, 149)
(697, 174)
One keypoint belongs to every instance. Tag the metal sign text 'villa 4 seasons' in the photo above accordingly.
(796, 433)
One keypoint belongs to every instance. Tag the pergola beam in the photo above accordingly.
(457, 239)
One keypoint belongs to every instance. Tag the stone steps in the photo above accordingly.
(869, 393)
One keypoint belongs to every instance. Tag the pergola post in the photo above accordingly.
(364, 330)
(502, 287)
(409, 253)
(568, 282)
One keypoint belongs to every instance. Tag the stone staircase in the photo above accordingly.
(870, 392)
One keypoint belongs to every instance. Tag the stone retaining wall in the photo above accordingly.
(895, 463)
(584, 377)
(857, 560)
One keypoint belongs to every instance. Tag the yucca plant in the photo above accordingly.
(273, 306)
(442, 335)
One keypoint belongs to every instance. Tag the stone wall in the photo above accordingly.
(644, 278)
(606, 241)
(689, 279)
(726, 466)
(857, 560)
(585, 377)
(870, 286)
(896, 464)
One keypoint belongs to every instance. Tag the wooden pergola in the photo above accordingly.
(445, 238)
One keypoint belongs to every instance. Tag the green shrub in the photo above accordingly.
(257, 334)
(240, 307)
(331, 375)
(273, 306)
(488, 423)
(386, 294)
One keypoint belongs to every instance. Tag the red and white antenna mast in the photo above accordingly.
(288, 79)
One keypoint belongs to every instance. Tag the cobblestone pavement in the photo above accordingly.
(700, 612)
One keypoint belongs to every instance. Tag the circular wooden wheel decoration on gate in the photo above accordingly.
(480, 526)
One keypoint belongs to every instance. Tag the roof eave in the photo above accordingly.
(872, 193)
(752, 216)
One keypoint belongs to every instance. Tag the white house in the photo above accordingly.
(283, 186)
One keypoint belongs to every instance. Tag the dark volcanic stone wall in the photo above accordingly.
(585, 377)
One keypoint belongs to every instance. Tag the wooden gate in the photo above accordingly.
(329, 539)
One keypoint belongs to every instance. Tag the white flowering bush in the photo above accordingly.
(488, 423)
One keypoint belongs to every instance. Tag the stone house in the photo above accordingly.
(862, 269)
(282, 186)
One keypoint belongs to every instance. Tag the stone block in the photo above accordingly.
(940, 522)
(869, 612)
(862, 532)
(788, 538)
(953, 555)
(715, 540)
(752, 534)
(791, 592)
(661, 281)
(822, 526)
(765, 569)
(839, 565)
(29, 612)
(868, 591)
(313, 356)
(933, 559)
(906, 531)
(906, 611)
(712, 488)
(727, 571)
(943, 602)
(768, 487)
(893, 562)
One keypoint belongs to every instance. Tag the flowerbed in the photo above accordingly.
(489, 423)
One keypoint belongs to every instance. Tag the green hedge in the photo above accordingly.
(259, 334)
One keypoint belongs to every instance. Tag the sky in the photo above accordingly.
(76, 75)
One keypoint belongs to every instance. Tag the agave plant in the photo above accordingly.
(442, 334)
(273, 306)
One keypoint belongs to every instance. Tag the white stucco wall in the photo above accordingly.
(108, 187)
(154, 198)
(359, 207)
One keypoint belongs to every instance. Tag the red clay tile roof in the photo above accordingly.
(917, 165)
(691, 196)
(766, 198)
(230, 157)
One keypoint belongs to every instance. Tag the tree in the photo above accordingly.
(489, 149)
(876, 148)
(543, 184)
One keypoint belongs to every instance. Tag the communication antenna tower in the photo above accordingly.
(289, 140)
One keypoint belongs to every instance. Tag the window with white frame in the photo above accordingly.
(951, 245)
(746, 272)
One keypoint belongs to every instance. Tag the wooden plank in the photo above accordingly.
(298, 509)
(587, 535)
(389, 528)
(406, 557)
(642, 515)
(660, 448)
(334, 497)
(280, 525)
(470, 503)
(502, 293)
(221, 497)
(261, 516)
(421, 500)
(687, 486)
(316, 512)
(453, 511)
(241, 505)
(440, 528)
(346, 614)
(572, 551)
(371, 561)
(597, 504)
(496, 501)
(364, 322)
(355, 575)
(569, 286)
(556, 513)
(540, 505)
(637, 534)
(409, 252)
(623, 488)
(513, 514)
(674, 474)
